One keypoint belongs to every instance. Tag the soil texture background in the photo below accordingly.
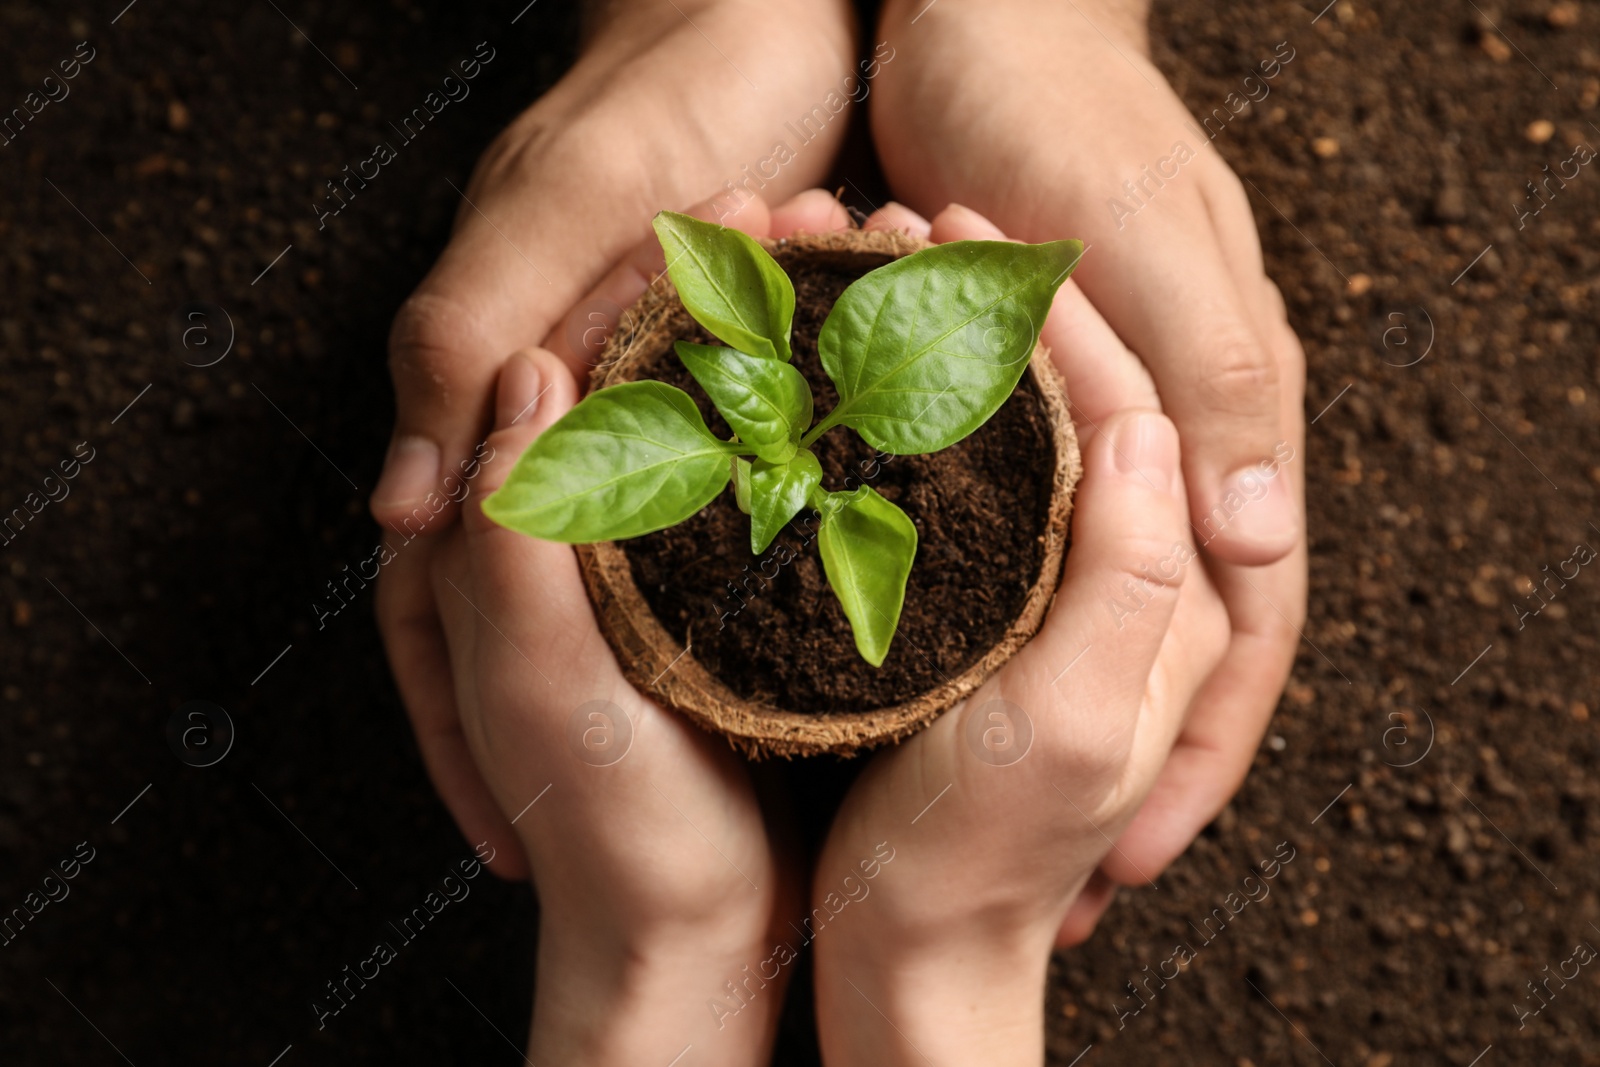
(1454, 367)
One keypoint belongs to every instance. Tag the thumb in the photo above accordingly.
(535, 389)
(1130, 549)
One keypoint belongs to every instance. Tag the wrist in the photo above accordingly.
(953, 1004)
(696, 92)
(1125, 22)
(796, 24)
(602, 997)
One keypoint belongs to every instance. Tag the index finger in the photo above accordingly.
(1170, 295)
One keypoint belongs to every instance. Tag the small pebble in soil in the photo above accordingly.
(1359, 284)
(1325, 147)
(1451, 204)
(1495, 47)
(1562, 16)
(1540, 130)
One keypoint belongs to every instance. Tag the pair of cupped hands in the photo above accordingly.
(662, 892)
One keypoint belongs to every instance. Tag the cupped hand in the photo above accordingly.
(1036, 114)
(657, 882)
(655, 879)
(670, 100)
(995, 817)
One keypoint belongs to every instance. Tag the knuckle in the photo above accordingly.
(1150, 572)
(1283, 632)
(1237, 375)
(428, 333)
(1089, 756)
(559, 159)
(1225, 185)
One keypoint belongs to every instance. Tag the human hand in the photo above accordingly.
(650, 116)
(656, 879)
(1035, 114)
(941, 956)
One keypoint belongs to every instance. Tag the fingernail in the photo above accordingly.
(517, 396)
(896, 216)
(1146, 448)
(1257, 506)
(975, 221)
(409, 471)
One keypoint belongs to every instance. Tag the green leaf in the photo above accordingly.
(741, 483)
(867, 546)
(925, 349)
(627, 460)
(767, 403)
(777, 493)
(729, 283)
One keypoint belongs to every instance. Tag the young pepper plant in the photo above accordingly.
(922, 351)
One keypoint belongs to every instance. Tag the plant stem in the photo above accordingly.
(828, 422)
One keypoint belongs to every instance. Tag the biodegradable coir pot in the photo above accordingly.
(746, 646)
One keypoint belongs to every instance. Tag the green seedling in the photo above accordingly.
(922, 351)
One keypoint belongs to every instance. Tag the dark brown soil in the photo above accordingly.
(1417, 908)
(771, 628)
